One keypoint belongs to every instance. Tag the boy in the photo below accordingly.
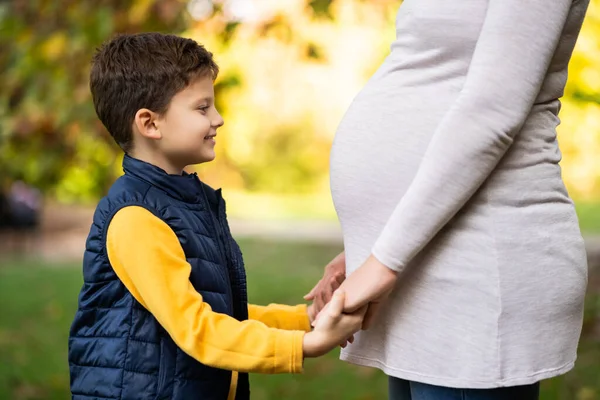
(163, 312)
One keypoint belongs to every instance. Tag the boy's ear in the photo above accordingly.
(145, 122)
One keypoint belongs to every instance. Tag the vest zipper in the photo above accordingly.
(220, 237)
(225, 253)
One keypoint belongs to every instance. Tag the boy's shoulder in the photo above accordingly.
(124, 191)
(128, 184)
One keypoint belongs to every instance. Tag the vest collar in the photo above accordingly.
(185, 187)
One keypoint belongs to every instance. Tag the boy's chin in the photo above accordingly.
(204, 158)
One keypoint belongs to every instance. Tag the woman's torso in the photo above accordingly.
(522, 211)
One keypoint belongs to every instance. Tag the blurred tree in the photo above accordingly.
(290, 68)
(579, 132)
(297, 65)
(49, 133)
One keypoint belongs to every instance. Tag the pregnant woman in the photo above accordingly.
(458, 229)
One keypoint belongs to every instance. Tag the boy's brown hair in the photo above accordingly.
(145, 70)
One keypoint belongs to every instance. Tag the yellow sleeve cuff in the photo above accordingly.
(284, 360)
(303, 319)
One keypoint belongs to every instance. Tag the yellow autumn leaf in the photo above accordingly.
(54, 47)
(139, 11)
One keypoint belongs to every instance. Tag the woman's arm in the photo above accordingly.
(516, 44)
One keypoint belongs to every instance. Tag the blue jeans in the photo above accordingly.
(409, 390)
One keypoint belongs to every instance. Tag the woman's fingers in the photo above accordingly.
(311, 295)
(370, 315)
(340, 277)
(321, 293)
(346, 342)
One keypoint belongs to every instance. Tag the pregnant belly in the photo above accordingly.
(381, 140)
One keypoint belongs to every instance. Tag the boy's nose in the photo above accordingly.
(218, 121)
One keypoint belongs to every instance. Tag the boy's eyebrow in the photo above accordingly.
(204, 99)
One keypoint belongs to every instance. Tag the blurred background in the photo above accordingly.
(289, 69)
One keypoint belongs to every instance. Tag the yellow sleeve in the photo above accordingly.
(148, 258)
(294, 318)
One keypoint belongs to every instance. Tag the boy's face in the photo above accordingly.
(189, 126)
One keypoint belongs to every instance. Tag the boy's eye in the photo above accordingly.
(203, 108)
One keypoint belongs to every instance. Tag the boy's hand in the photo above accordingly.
(332, 327)
(312, 316)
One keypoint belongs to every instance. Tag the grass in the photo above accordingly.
(589, 217)
(37, 303)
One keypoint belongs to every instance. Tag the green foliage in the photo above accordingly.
(589, 217)
(321, 8)
(49, 133)
(287, 78)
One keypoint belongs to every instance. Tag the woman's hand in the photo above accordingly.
(333, 276)
(370, 284)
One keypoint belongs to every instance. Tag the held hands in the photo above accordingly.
(332, 327)
(369, 285)
(364, 291)
(312, 316)
(333, 276)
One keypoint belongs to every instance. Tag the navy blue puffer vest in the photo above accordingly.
(117, 349)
